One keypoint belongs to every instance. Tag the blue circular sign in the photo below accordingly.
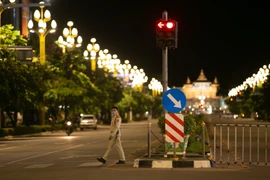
(174, 100)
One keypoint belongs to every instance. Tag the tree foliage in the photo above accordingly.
(252, 102)
(65, 85)
(11, 37)
(13, 87)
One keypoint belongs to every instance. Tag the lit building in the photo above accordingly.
(202, 96)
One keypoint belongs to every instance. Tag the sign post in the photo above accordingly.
(174, 100)
(174, 129)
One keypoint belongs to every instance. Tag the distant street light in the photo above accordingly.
(138, 79)
(115, 62)
(253, 81)
(104, 58)
(42, 18)
(92, 48)
(68, 44)
(127, 68)
(155, 86)
(70, 34)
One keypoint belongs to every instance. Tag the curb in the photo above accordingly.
(148, 163)
(47, 133)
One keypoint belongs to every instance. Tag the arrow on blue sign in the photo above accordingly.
(174, 100)
(177, 104)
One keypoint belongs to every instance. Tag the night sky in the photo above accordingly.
(228, 39)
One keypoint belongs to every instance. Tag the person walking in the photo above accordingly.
(114, 138)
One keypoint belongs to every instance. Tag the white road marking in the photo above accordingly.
(7, 148)
(90, 164)
(39, 165)
(77, 156)
(60, 143)
(44, 154)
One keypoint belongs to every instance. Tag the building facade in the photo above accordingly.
(201, 96)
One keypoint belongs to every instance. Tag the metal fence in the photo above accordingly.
(241, 143)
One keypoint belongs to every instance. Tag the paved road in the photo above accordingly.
(56, 156)
(52, 150)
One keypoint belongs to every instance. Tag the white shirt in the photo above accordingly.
(115, 125)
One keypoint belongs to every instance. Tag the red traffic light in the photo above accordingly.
(166, 33)
(170, 24)
(165, 25)
(160, 24)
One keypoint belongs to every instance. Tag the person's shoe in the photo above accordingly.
(101, 160)
(121, 162)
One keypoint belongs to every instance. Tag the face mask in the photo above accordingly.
(114, 113)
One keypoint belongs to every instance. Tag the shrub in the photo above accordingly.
(20, 130)
(3, 132)
(196, 147)
(161, 124)
(193, 127)
(189, 124)
(199, 119)
(26, 130)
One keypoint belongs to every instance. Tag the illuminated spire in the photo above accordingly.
(215, 81)
(202, 77)
(188, 80)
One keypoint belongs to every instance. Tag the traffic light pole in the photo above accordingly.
(164, 83)
(165, 72)
(166, 37)
(164, 61)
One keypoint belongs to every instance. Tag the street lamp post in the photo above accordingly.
(68, 44)
(92, 48)
(138, 78)
(42, 18)
(127, 72)
(155, 86)
(12, 4)
(70, 34)
(104, 59)
(115, 64)
(127, 68)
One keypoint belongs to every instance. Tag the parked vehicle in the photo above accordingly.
(88, 121)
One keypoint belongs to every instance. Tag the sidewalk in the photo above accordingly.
(59, 132)
(41, 134)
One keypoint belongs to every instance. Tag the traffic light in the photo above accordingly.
(166, 34)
